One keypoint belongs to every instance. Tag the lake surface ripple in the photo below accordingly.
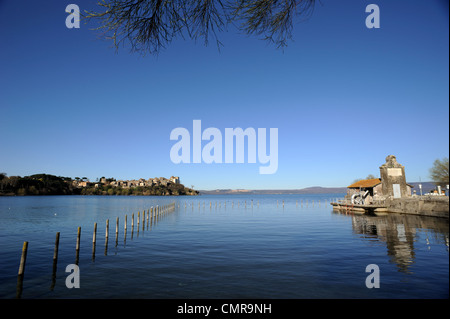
(239, 246)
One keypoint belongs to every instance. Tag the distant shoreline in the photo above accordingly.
(426, 186)
(308, 190)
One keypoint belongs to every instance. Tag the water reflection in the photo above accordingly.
(400, 233)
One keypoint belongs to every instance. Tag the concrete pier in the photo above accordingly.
(435, 206)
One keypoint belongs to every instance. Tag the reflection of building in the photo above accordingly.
(399, 232)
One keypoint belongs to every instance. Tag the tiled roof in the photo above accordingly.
(366, 183)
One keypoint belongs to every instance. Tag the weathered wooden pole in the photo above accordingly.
(106, 236)
(77, 247)
(94, 236)
(94, 240)
(21, 272)
(55, 262)
(55, 251)
(23, 259)
(125, 225)
(132, 221)
(138, 219)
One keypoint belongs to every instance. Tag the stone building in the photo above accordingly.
(393, 179)
(372, 188)
(391, 184)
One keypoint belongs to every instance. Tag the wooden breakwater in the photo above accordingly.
(145, 220)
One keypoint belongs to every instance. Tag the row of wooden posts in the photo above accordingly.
(152, 215)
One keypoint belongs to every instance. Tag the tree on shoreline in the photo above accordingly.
(439, 172)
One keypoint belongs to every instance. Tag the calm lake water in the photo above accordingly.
(245, 246)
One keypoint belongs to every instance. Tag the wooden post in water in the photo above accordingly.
(94, 240)
(106, 236)
(55, 262)
(117, 230)
(55, 251)
(132, 221)
(23, 259)
(77, 247)
(94, 236)
(21, 272)
(138, 218)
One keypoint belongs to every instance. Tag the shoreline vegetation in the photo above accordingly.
(45, 184)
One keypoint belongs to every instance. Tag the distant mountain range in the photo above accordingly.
(426, 187)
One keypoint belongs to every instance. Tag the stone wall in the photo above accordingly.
(437, 206)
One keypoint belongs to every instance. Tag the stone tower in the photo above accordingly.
(393, 180)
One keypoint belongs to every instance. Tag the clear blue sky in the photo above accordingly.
(342, 96)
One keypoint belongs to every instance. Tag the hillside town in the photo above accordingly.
(157, 181)
(46, 184)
